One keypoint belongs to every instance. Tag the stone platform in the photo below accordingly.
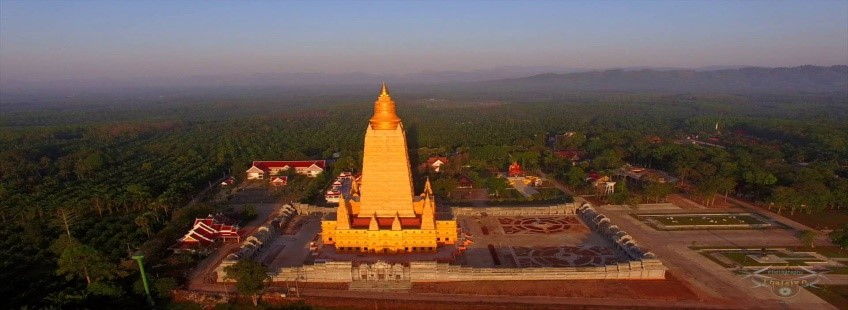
(533, 243)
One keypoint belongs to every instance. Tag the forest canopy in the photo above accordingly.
(110, 174)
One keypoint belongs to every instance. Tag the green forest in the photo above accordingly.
(95, 179)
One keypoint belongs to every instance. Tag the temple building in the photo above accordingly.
(382, 214)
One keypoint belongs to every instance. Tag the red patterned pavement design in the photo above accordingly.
(540, 225)
(563, 256)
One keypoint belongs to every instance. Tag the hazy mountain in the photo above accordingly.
(745, 80)
(541, 80)
(280, 79)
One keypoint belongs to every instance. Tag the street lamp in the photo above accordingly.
(138, 258)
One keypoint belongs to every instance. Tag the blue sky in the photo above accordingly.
(47, 40)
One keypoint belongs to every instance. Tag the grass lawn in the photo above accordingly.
(836, 295)
(510, 194)
(742, 258)
(704, 220)
(829, 251)
(549, 192)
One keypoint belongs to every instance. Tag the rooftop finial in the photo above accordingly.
(427, 189)
(385, 90)
(384, 111)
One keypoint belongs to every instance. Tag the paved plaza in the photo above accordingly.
(540, 225)
(519, 241)
(535, 241)
(563, 256)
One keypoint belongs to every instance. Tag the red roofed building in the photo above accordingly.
(279, 181)
(262, 169)
(435, 163)
(228, 181)
(515, 170)
(465, 182)
(341, 186)
(571, 155)
(206, 231)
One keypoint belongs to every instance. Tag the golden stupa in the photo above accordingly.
(382, 215)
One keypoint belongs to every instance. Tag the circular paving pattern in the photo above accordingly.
(540, 225)
(563, 256)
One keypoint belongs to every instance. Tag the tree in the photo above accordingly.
(575, 178)
(839, 236)
(63, 243)
(139, 195)
(707, 188)
(250, 278)
(816, 195)
(164, 286)
(684, 160)
(444, 185)
(726, 184)
(608, 159)
(808, 237)
(759, 178)
(106, 288)
(621, 195)
(657, 190)
(783, 197)
(66, 217)
(497, 185)
(248, 213)
(82, 261)
(143, 222)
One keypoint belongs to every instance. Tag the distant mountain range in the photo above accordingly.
(743, 80)
(516, 78)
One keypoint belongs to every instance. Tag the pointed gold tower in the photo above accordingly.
(386, 176)
(361, 222)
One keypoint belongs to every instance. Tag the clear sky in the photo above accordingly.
(46, 40)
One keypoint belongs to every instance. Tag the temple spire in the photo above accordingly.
(428, 214)
(396, 223)
(343, 215)
(374, 225)
(354, 188)
(385, 116)
(428, 190)
(384, 91)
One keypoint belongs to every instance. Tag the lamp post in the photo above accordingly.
(138, 258)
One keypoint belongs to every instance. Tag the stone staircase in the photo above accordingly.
(381, 286)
